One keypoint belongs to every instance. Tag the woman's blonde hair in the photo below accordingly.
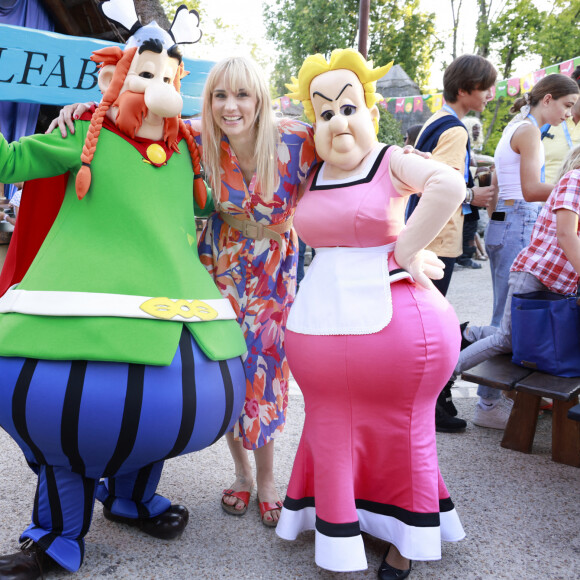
(341, 58)
(240, 72)
(571, 161)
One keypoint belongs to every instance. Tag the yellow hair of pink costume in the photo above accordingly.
(341, 58)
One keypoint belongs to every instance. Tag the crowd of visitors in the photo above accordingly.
(377, 376)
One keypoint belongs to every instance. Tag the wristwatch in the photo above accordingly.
(468, 195)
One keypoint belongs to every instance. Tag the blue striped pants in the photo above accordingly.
(103, 430)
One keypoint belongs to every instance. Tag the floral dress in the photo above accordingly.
(259, 276)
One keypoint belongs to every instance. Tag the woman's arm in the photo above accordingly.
(567, 233)
(493, 203)
(527, 142)
(443, 192)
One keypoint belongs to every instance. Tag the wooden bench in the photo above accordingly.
(574, 413)
(530, 386)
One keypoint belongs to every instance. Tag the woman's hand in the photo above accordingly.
(66, 118)
(424, 266)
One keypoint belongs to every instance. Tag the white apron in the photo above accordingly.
(345, 291)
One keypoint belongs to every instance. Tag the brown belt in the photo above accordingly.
(257, 231)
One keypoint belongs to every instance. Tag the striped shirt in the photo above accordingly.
(544, 258)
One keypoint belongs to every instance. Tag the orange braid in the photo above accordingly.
(199, 190)
(171, 132)
(83, 179)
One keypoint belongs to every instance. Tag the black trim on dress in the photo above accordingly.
(336, 184)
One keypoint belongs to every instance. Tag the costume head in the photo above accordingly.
(347, 59)
(339, 98)
(141, 84)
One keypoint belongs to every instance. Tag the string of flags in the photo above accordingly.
(505, 88)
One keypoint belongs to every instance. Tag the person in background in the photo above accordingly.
(467, 86)
(472, 218)
(15, 203)
(519, 163)
(301, 258)
(558, 140)
(411, 134)
(550, 262)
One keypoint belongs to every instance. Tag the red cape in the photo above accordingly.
(40, 204)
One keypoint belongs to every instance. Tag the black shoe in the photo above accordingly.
(464, 341)
(165, 526)
(471, 264)
(445, 423)
(28, 564)
(468, 263)
(445, 399)
(387, 572)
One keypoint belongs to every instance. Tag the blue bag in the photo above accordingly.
(546, 332)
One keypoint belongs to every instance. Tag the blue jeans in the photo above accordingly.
(490, 340)
(503, 242)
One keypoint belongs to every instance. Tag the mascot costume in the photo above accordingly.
(369, 340)
(117, 351)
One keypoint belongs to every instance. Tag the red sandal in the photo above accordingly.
(268, 506)
(243, 496)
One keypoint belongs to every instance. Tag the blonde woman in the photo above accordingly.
(255, 165)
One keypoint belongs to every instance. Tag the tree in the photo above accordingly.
(455, 16)
(509, 34)
(559, 37)
(398, 31)
(389, 129)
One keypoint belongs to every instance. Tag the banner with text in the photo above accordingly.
(53, 69)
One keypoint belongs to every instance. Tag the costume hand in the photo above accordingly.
(411, 149)
(424, 266)
(66, 118)
(482, 196)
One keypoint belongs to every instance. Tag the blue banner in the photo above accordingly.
(54, 69)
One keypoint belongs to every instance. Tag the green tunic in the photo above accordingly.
(133, 233)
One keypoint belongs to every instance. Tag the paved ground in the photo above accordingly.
(521, 512)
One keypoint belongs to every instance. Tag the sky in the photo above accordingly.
(245, 19)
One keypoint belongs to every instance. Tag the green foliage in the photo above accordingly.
(389, 129)
(496, 116)
(398, 31)
(559, 37)
(209, 27)
(171, 6)
(511, 34)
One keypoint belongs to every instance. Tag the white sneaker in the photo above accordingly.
(493, 416)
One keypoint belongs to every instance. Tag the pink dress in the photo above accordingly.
(367, 459)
